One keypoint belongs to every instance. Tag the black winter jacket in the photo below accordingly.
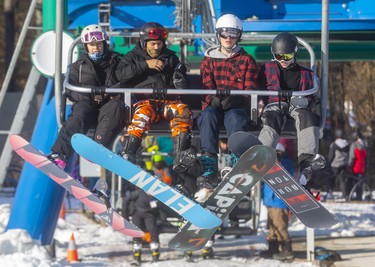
(140, 201)
(133, 71)
(88, 73)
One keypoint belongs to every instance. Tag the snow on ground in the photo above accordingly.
(102, 246)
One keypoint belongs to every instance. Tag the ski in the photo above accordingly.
(33, 156)
(250, 168)
(306, 208)
(184, 206)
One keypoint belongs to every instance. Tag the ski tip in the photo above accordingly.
(135, 233)
(130, 229)
(17, 141)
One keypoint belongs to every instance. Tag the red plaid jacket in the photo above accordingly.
(239, 72)
(269, 79)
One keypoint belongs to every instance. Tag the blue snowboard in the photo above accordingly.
(184, 206)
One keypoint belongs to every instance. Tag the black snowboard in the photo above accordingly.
(307, 209)
(252, 165)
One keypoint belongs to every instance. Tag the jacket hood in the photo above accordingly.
(214, 52)
(361, 144)
(342, 144)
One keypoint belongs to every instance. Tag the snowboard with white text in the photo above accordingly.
(250, 168)
(181, 204)
(306, 208)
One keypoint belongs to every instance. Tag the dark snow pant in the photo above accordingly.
(339, 173)
(109, 120)
(210, 120)
(146, 221)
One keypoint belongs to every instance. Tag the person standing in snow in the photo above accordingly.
(338, 160)
(278, 216)
(145, 214)
(357, 163)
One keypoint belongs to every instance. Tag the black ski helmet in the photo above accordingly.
(284, 43)
(152, 31)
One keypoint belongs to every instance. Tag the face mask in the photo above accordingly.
(96, 56)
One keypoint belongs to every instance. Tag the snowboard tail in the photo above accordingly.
(30, 154)
(178, 202)
(307, 209)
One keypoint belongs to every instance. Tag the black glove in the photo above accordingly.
(232, 101)
(216, 102)
(179, 79)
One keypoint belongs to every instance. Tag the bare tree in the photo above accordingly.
(9, 31)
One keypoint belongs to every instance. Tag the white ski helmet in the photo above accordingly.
(229, 22)
(91, 33)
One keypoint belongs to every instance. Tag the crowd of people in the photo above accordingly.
(226, 66)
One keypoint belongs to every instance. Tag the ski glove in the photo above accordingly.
(216, 102)
(232, 101)
(179, 80)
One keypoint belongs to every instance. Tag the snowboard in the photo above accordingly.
(181, 204)
(30, 154)
(306, 208)
(250, 168)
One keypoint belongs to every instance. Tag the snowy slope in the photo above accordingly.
(102, 246)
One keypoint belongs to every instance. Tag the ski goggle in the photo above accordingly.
(157, 34)
(93, 36)
(284, 57)
(232, 33)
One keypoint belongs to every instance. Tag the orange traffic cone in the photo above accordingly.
(72, 250)
(62, 211)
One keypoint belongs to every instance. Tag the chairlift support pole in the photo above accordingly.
(310, 238)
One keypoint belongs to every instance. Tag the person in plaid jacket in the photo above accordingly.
(225, 67)
(284, 73)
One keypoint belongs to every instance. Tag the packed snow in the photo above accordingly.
(99, 245)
